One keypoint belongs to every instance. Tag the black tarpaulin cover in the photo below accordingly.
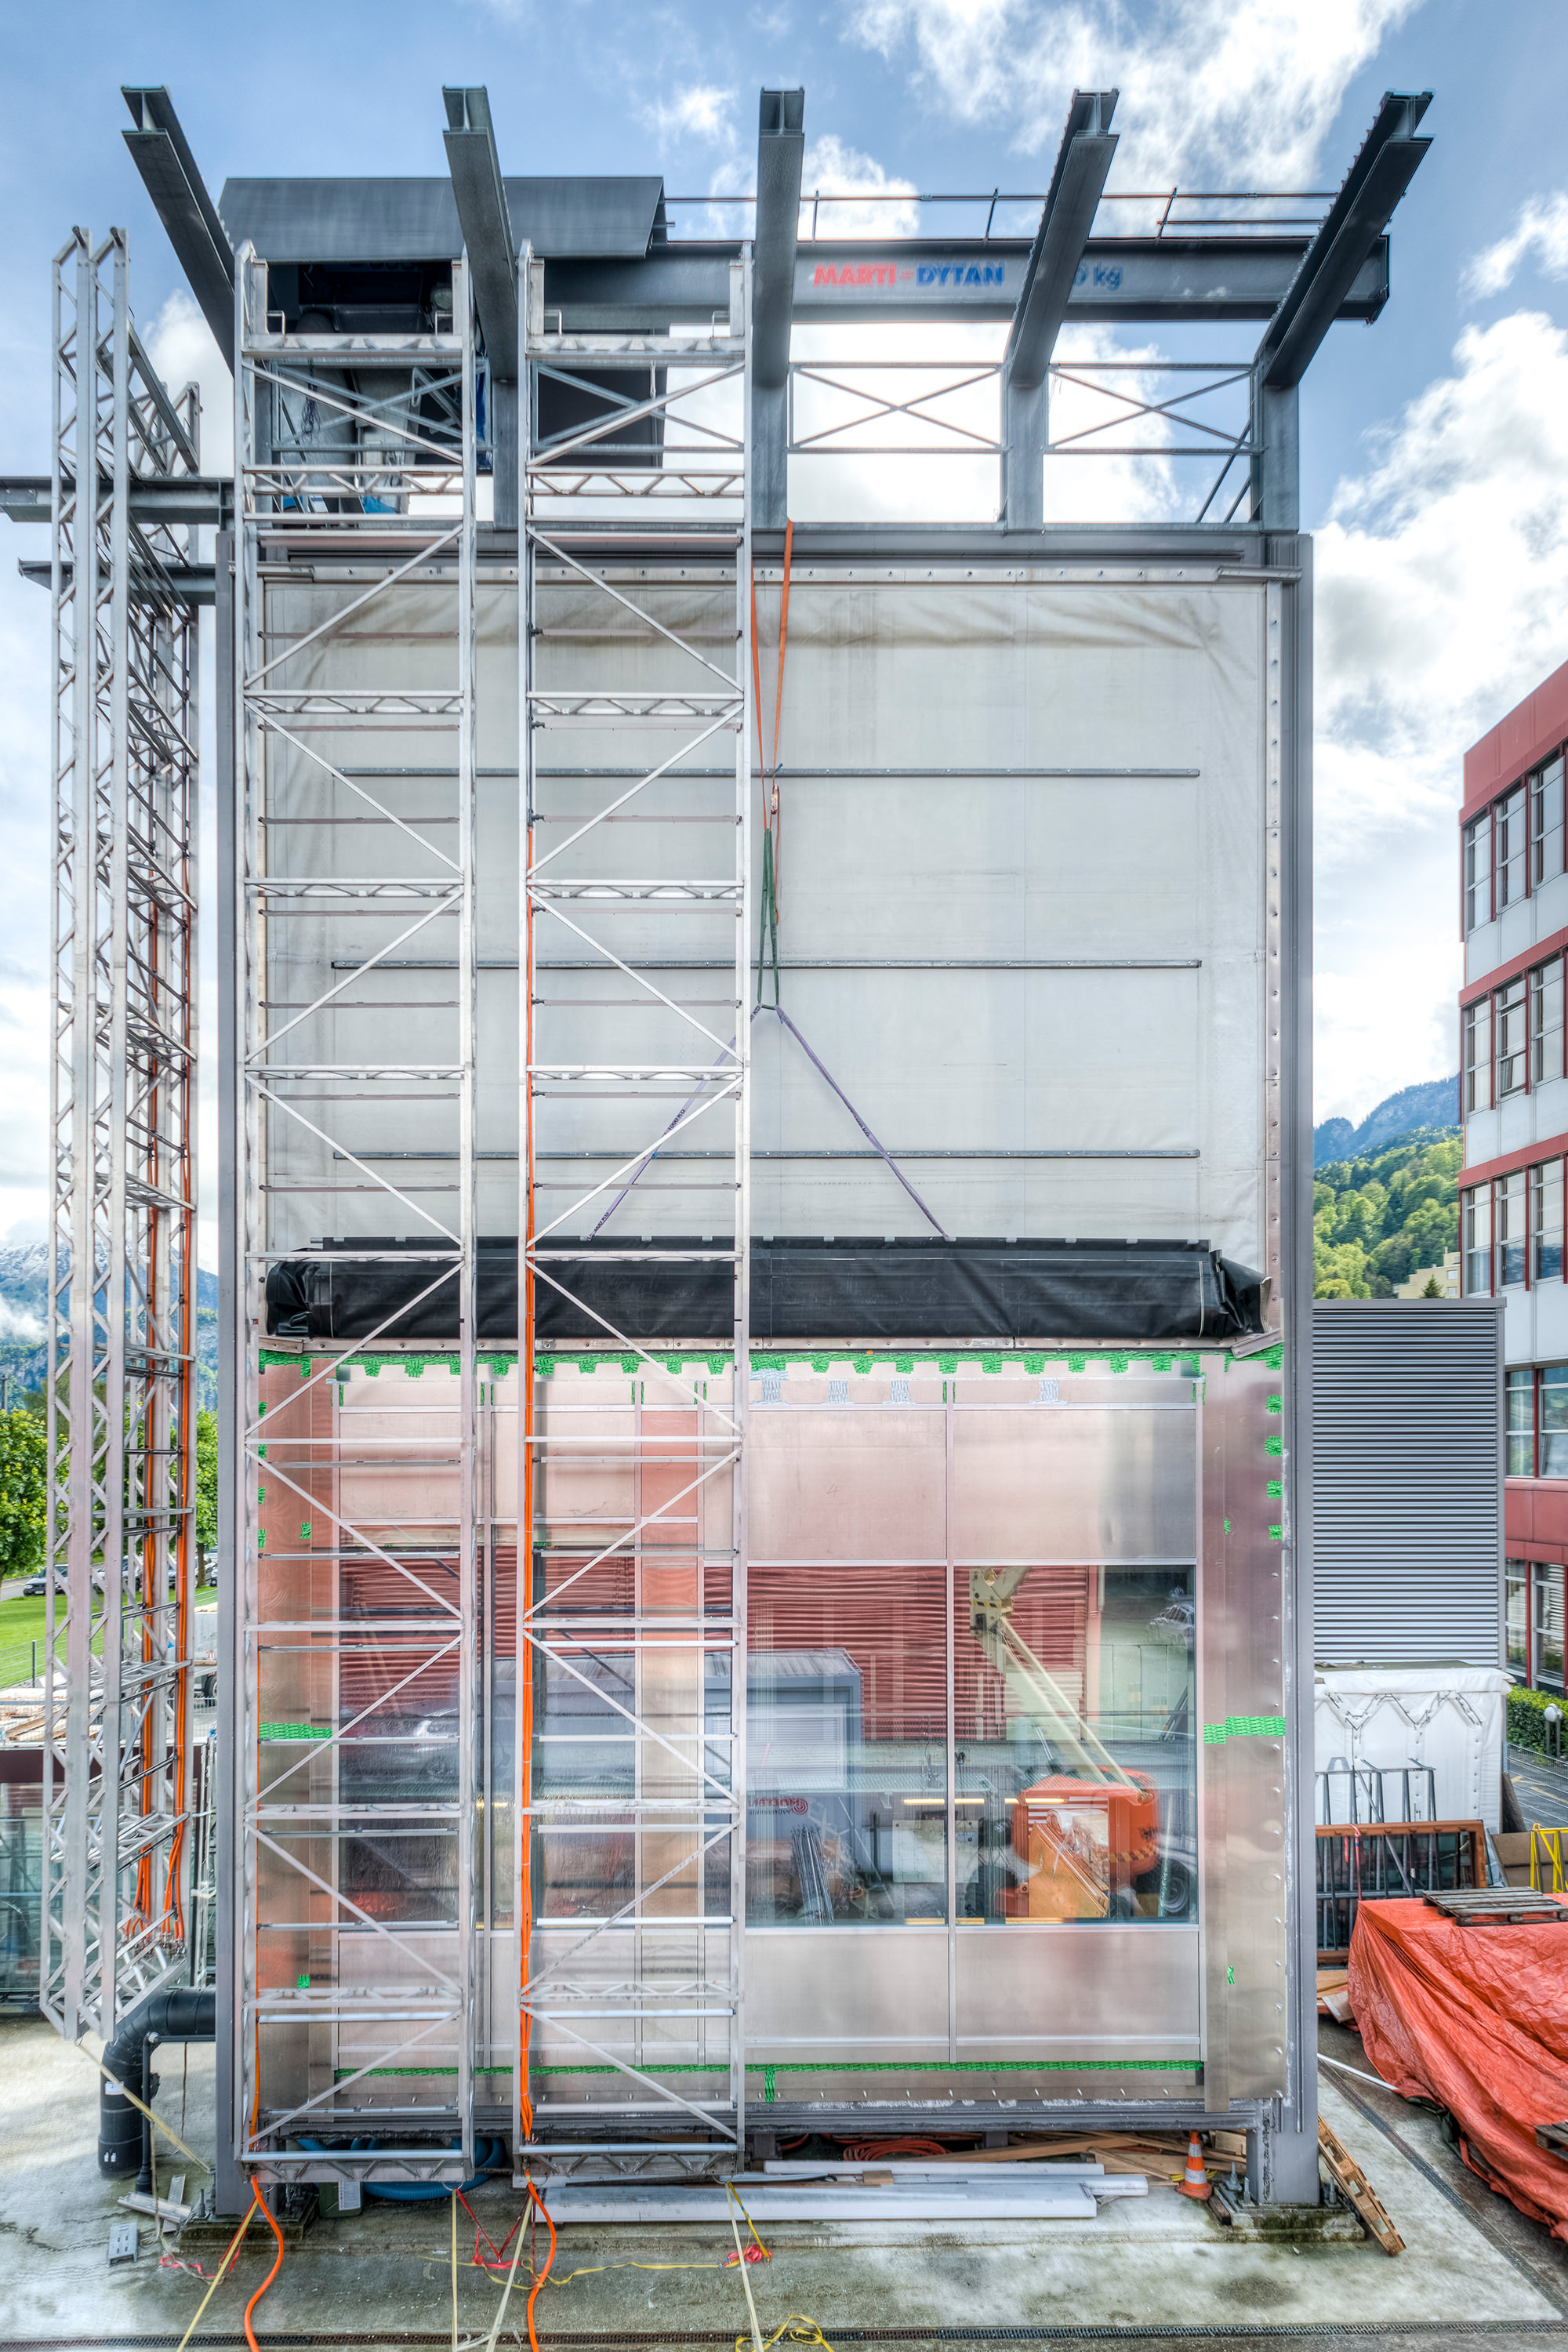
(801, 1290)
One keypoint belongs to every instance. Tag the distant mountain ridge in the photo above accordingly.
(24, 1311)
(1433, 1103)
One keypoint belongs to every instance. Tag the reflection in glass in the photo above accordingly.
(1074, 1722)
(847, 1740)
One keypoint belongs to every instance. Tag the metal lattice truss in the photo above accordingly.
(631, 1620)
(122, 1326)
(1175, 409)
(359, 453)
(844, 406)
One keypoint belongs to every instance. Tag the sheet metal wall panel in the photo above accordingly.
(845, 1485)
(1408, 1480)
(1068, 1991)
(1114, 1484)
(847, 1992)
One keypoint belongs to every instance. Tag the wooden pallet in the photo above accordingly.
(1553, 2138)
(1496, 1906)
(1347, 2176)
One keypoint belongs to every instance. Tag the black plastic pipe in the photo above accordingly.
(124, 2135)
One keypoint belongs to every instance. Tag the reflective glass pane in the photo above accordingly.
(846, 1738)
(1548, 1625)
(1074, 1729)
(1546, 1221)
(1520, 1402)
(1518, 1575)
(1511, 1245)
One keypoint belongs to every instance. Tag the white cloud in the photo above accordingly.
(19, 1325)
(181, 347)
(1540, 233)
(1205, 84)
(1439, 608)
(701, 112)
(836, 169)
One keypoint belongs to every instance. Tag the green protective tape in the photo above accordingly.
(903, 1363)
(1277, 1531)
(1274, 1358)
(1274, 1446)
(846, 2066)
(1244, 1727)
(1119, 1362)
(1230, 1976)
(1274, 1490)
(415, 1364)
(294, 1732)
(1274, 1405)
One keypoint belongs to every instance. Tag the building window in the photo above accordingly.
(1546, 1222)
(1552, 1458)
(1512, 1061)
(1547, 1663)
(1546, 821)
(1516, 1573)
(1511, 884)
(1511, 1251)
(1479, 872)
(1520, 1398)
(1478, 1056)
(1546, 1020)
(1477, 1232)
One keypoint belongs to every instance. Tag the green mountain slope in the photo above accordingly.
(1378, 1217)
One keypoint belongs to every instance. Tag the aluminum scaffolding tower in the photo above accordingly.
(121, 1329)
(631, 1604)
(356, 516)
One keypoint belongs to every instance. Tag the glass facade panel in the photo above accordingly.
(1546, 1222)
(1509, 817)
(1478, 1056)
(1548, 1629)
(1074, 1728)
(1516, 1609)
(1546, 821)
(1513, 1059)
(1479, 872)
(1520, 1421)
(1511, 1250)
(846, 1741)
(1546, 1020)
(1551, 1457)
(1478, 1242)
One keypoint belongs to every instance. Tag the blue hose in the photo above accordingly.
(487, 2153)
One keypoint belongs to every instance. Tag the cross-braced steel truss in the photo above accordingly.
(356, 1605)
(635, 635)
(122, 1326)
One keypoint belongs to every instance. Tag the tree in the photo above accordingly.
(206, 1491)
(1432, 1289)
(23, 1491)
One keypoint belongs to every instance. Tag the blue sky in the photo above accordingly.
(1434, 444)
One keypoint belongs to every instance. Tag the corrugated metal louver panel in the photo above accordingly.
(1407, 1496)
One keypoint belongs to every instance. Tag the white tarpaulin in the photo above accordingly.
(1449, 1717)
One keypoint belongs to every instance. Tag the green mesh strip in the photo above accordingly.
(1274, 1446)
(850, 2066)
(1274, 1404)
(295, 1731)
(1244, 1727)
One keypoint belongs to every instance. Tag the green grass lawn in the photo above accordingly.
(22, 1624)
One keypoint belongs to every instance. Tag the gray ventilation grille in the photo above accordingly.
(1407, 1500)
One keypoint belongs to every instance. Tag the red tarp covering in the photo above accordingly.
(1476, 2018)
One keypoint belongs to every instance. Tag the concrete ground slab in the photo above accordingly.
(1146, 2270)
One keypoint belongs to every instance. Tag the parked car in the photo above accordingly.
(37, 1585)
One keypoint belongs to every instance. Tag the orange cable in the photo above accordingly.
(544, 2273)
(524, 1898)
(250, 2306)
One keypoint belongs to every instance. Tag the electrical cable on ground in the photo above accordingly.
(745, 2282)
(544, 2273)
(234, 2246)
(454, 2271)
(277, 2266)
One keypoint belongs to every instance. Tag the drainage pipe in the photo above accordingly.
(124, 2135)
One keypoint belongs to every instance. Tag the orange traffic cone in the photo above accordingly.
(1194, 2181)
